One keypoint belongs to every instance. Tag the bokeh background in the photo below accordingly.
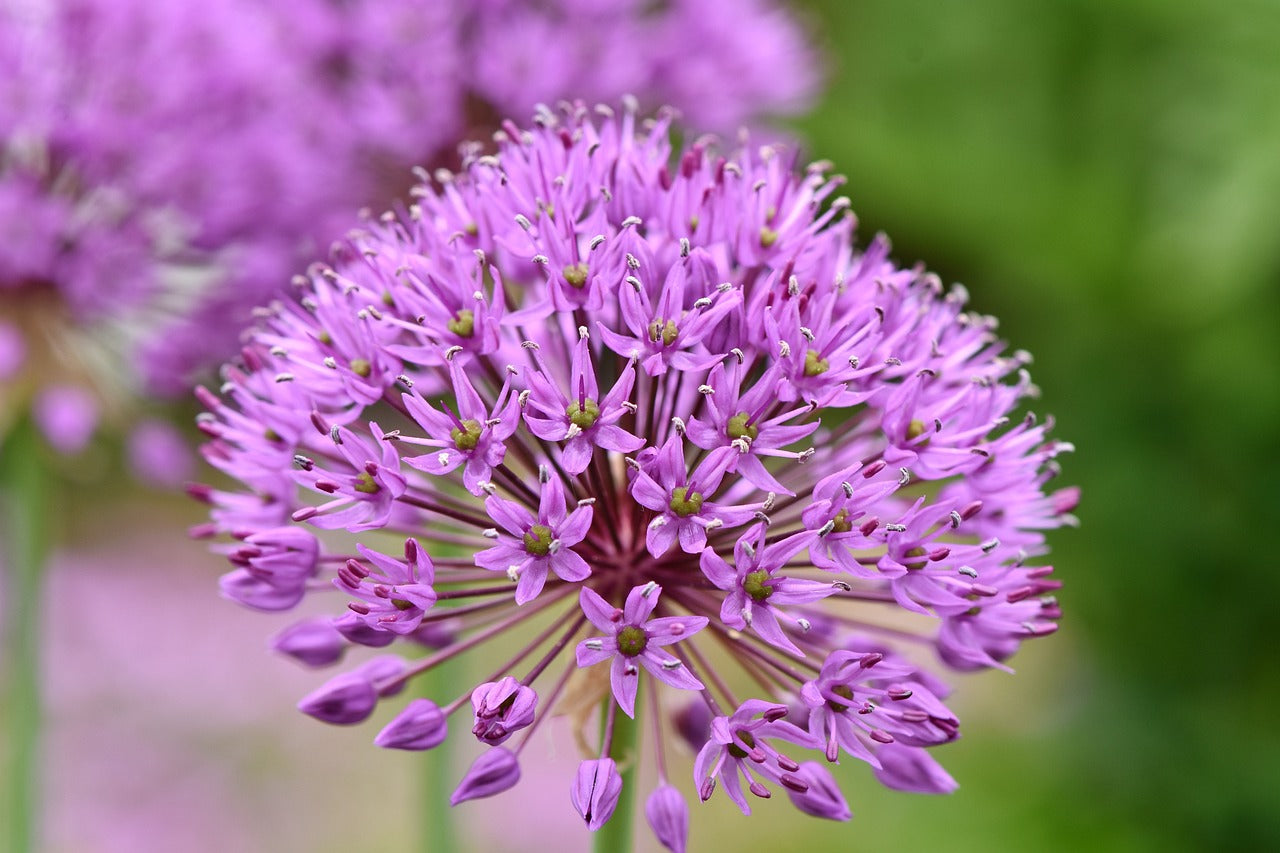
(1105, 178)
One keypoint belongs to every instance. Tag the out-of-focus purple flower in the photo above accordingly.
(314, 642)
(67, 415)
(448, 378)
(165, 169)
(159, 455)
(344, 700)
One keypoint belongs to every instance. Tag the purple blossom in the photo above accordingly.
(585, 349)
(738, 750)
(632, 637)
(529, 547)
(149, 229)
(679, 498)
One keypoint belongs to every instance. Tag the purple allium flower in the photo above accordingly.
(164, 169)
(655, 411)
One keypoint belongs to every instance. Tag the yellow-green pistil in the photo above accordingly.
(815, 364)
(665, 332)
(685, 503)
(583, 415)
(632, 640)
(739, 428)
(755, 585)
(538, 540)
(737, 751)
(767, 237)
(841, 523)
(576, 275)
(915, 429)
(916, 565)
(840, 690)
(366, 484)
(361, 367)
(468, 437)
(463, 324)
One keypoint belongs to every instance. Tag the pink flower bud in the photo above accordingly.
(668, 816)
(912, 769)
(595, 791)
(313, 642)
(421, 725)
(343, 700)
(822, 798)
(492, 773)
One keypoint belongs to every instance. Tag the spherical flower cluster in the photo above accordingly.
(164, 167)
(644, 418)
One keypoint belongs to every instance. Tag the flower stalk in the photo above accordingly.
(26, 495)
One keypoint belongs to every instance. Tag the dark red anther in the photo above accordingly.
(358, 607)
(794, 783)
(881, 736)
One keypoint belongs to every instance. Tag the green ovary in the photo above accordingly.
(632, 640)
(815, 364)
(685, 503)
(463, 324)
(739, 428)
(755, 585)
(583, 415)
(538, 540)
(468, 437)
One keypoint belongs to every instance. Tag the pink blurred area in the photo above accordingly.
(168, 726)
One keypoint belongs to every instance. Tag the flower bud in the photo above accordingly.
(384, 673)
(822, 798)
(495, 771)
(361, 633)
(343, 700)
(502, 708)
(595, 791)
(668, 815)
(421, 725)
(313, 642)
(912, 769)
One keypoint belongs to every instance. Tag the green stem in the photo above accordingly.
(24, 487)
(438, 779)
(616, 836)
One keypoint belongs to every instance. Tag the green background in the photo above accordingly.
(1105, 178)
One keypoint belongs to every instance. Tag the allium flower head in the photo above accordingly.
(628, 408)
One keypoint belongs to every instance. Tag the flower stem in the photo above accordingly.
(24, 488)
(617, 835)
(438, 777)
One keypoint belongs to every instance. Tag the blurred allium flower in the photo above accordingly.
(164, 167)
(645, 419)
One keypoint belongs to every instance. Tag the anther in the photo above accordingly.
(904, 476)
